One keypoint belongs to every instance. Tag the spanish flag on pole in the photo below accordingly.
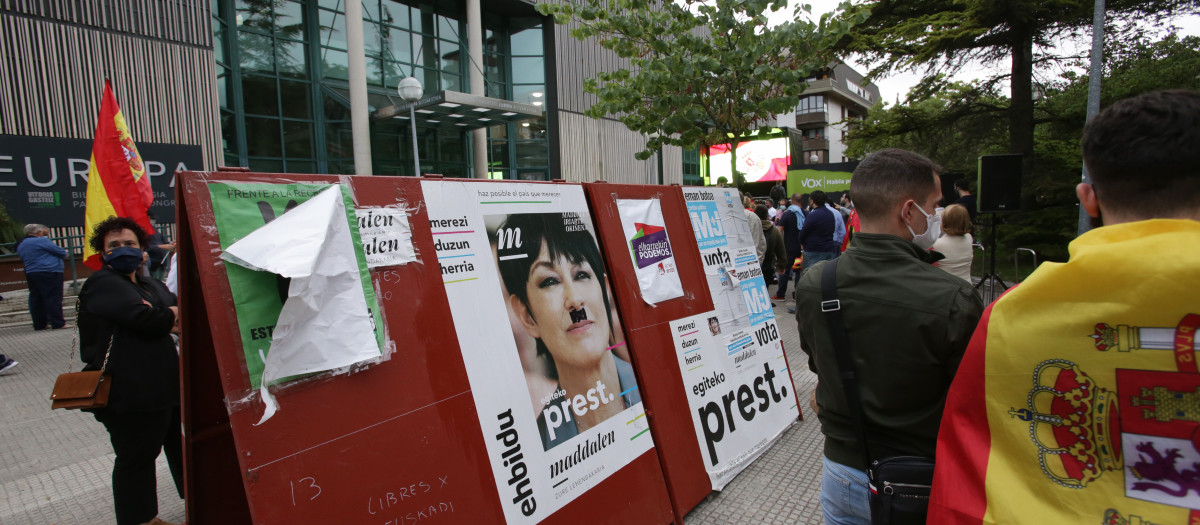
(1078, 399)
(118, 184)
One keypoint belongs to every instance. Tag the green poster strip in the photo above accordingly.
(240, 208)
(364, 273)
(807, 181)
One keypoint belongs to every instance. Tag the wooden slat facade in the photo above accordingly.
(591, 149)
(55, 54)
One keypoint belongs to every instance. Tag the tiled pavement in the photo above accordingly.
(55, 467)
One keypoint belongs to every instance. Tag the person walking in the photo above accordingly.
(43, 262)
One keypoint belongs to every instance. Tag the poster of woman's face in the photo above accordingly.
(563, 321)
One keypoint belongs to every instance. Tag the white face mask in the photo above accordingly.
(932, 231)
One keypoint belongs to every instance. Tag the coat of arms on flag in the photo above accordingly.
(1149, 429)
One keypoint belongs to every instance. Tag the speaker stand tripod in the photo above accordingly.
(990, 279)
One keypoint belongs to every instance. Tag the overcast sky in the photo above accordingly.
(895, 86)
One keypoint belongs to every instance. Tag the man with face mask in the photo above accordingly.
(908, 324)
(1095, 357)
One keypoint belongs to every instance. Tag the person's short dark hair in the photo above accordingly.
(797, 198)
(890, 176)
(818, 198)
(963, 184)
(549, 229)
(762, 213)
(805, 199)
(113, 224)
(1142, 154)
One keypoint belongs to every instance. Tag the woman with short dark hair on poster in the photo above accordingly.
(558, 291)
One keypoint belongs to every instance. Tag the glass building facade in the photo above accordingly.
(283, 86)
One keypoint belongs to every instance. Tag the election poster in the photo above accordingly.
(732, 361)
(653, 261)
(259, 296)
(386, 236)
(542, 343)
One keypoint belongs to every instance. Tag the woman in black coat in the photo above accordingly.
(134, 317)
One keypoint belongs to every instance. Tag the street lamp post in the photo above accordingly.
(410, 90)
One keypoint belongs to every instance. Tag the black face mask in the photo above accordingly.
(124, 260)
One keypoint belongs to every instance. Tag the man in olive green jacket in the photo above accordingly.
(908, 324)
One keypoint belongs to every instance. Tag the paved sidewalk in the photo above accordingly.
(55, 467)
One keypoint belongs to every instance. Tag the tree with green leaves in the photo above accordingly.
(955, 122)
(701, 72)
(945, 36)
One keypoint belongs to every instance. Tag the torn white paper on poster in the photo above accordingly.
(653, 261)
(324, 324)
(386, 236)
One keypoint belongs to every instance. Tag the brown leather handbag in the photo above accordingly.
(76, 390)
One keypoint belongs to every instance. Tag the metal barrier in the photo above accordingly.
(73, 245)
(1017, 262)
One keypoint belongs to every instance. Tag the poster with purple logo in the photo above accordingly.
(653, 260)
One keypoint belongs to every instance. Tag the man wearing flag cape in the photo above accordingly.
(1078, 399)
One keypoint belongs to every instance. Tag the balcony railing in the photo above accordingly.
(813, 117)
(814, 144)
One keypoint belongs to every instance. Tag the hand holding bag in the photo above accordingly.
(76, 390)
(900, 485)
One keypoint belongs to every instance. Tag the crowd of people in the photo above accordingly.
(940, 377)
(930, 361)
(807, 228)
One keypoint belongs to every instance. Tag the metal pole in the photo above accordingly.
(412, 117)
(74, 276)
(360, 125)
(479, 145)
(1093, 102)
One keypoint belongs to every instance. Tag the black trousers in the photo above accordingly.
(45, 299)
(137, 437)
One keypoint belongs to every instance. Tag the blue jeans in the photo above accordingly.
(845, 497)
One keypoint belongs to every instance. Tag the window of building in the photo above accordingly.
(858, 90)
(691, 168)
(811, 104)
(282, 75)
(518, 150)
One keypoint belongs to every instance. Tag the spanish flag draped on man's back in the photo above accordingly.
(118, 184)
(1078, 399)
